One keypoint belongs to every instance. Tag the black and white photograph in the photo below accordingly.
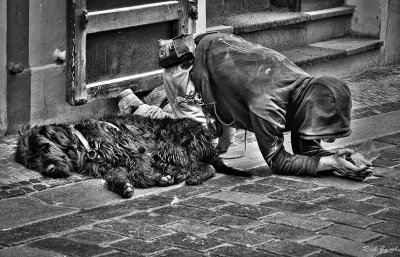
(188, 128)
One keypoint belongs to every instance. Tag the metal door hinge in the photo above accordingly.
(15, 68)
(193, 11)
(85, 19)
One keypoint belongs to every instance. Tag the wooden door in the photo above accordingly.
(113, 45)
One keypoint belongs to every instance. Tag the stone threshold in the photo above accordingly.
(331, 49)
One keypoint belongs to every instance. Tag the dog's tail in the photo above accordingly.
(221, 167)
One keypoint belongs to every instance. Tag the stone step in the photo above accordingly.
(337, 57)
(314, 5)
(310, 5)
(217, 9)
(278, 29)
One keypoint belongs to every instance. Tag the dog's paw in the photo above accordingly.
(128, 191)
(194, 181)
(181, 178)
(166, 180)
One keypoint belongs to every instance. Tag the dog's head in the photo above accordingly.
(45, 149)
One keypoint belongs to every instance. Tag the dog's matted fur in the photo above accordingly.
(124, 150)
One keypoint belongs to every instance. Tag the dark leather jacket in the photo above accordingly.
(258, 89)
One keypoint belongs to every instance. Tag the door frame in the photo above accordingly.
(81, 23)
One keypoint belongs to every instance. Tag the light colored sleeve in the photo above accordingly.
(179, 88)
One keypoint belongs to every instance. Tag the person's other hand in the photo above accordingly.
(343, 167)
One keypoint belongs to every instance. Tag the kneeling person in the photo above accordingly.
(258, 89)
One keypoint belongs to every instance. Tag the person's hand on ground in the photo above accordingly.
(342, 165)
(128, 102)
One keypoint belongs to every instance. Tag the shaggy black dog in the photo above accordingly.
(124, 150)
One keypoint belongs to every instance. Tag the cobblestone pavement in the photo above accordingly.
(226, 216)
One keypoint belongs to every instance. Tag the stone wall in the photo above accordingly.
(47, 31)
(38, 94)
(3, 63)
(390, 31)
(379, 19)
(367, 17)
